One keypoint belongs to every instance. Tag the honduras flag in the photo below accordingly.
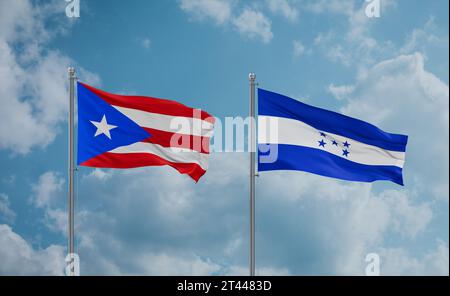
(296, 136)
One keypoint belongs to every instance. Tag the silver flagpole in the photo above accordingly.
(252, 78)
(71, 204)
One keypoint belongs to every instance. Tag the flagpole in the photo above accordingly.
(71, 202)
(252, 78)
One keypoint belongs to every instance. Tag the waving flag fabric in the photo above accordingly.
(296, 136)
(116, 131)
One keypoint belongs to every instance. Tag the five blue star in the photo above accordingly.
(346, 144)
(345, 152)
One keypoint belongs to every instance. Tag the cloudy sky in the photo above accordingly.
(392, 71)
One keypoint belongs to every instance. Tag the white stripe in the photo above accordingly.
(172, 154)
(169, 123)
(279, 130)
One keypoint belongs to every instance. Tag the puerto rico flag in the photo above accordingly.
(116, 131)
(296, 136)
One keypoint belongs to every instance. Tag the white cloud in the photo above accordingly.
(299, 48)
(47, 189)
(32, 131)
(433, 44)
(164, 264)
(171, 210)
(254, 24)
(100, 174)
(33, 82)
(333, 50)
(344, 7)
(403, 86)
(356, 46)
(340, 92)
(285, 8)
(437, 261)
(146, 43)
(217, 10)
(393, 87)
(420, 38)
(55, 219)
(6, 213)
(264, 271)
(18, 257)
(397, 260)
(20, 14)
(49, 195)
(157, 215)
(250, 22)
(406, 219)
(358, 220)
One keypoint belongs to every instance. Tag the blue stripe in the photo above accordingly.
(300, 158)
(273, 104)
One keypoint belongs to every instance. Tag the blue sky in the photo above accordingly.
(391, 71)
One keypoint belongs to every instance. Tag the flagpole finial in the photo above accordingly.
(71, 71)
(251, 76)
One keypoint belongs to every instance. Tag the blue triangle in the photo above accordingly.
(92, 108)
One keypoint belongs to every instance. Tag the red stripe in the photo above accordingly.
(163, 138)
(134, 160)
(149, 104)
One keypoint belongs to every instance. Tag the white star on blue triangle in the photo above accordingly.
(101, 127)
